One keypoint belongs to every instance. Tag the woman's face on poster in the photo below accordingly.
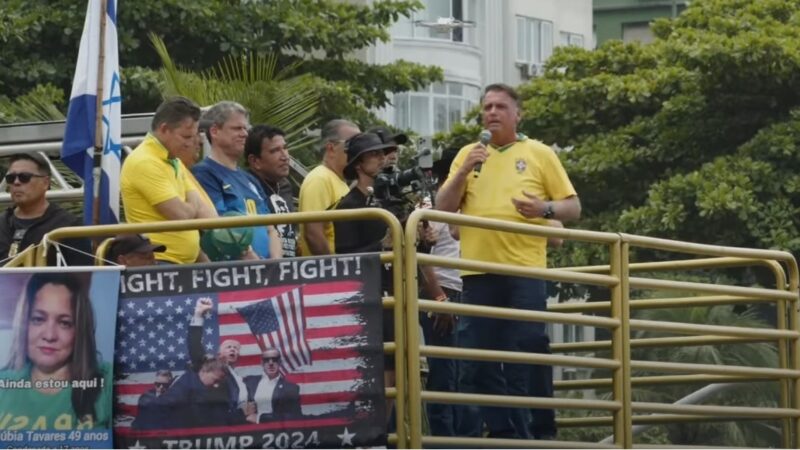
(51, 328)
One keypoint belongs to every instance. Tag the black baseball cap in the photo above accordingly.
(131, 243)
(387, 137)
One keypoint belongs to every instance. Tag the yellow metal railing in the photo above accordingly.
(614, 276)
(394, 257)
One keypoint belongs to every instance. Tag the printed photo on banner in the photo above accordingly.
(267, 354)
(57, 334)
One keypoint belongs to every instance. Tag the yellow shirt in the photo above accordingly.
(525, 165)
(148, 178)
(321, 191)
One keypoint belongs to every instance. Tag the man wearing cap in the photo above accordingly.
(154, 183)
(388, 137)
(32, 216)
(133, 250)
(324, 186)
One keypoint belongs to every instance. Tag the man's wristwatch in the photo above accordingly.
(548, 211)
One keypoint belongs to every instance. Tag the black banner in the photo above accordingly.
(268, 354)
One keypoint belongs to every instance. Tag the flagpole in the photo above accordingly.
(98, 129)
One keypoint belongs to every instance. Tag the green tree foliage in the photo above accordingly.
(39, 41)
(692, 137)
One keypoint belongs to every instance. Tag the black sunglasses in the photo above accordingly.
(271, 359)
(24, 177)
(159, 384)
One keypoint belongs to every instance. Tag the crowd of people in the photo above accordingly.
(510, 177)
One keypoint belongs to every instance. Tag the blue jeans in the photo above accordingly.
(441, 377)
(494, 334)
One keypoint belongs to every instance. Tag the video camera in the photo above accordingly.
(397, 190)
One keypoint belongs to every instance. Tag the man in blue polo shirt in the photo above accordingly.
(231, 188)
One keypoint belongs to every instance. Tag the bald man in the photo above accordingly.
(229, 351)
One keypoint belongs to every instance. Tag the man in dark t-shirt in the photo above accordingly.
(268, 159)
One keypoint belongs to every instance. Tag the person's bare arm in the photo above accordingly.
(315, 237)
(563, 210)
(275, 243)
(177, 209)
(204, 210)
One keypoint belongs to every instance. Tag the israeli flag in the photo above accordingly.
(79, 137)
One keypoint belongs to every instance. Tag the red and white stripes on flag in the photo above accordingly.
(335, 335)
(279, 322)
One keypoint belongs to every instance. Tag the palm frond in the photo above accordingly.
(272, 95)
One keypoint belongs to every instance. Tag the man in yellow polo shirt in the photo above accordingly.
(324, 186)
(517, 179)
(155, 184)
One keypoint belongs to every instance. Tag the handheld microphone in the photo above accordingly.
(485, 137)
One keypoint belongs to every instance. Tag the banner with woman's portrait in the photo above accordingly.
(56, 357)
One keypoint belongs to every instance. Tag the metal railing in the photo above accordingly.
(394, 257)
(624, 412)
(624, 415)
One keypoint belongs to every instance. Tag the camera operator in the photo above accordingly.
(366, 154)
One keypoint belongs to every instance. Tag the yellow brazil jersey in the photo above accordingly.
(148, 178)
(526, 165)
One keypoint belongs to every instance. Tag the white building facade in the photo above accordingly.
(509, 42)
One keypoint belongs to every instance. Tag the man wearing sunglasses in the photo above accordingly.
(150, 415)
(32, 216)
(275, 397)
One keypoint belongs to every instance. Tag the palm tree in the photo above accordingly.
(758, 354)
(272, 96)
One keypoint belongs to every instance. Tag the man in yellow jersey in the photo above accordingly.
(324, 186)
(154, 182)
(517, 179)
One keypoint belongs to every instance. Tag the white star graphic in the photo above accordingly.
(161, 341)
(347, 438)
(159, 311)
(140, 312)
(179, 309)
(171, 363)
(137, 445)
(170, 333)
(150, 303)
(168, 303)
(171, 348)
(150, 319)
(188, 301)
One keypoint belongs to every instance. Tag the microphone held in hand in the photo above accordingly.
(485, 137)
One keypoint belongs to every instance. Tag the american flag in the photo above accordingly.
(279, 322)
(152, 335)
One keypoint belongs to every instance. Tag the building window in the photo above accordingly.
(637, 32)
(433, 10)
(435, 109)
(534, 40)
(567, 38)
